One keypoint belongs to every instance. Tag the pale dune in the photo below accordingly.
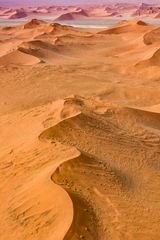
(80, 132)
(127, 26)
(18, 57)
(18, 14)
(153, 61)
(78, 14)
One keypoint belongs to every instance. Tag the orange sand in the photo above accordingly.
(74, 167)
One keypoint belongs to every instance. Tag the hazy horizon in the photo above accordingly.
(72, 2)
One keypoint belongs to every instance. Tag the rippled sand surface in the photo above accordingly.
(80, 132)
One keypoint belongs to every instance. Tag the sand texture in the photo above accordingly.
(80, 132)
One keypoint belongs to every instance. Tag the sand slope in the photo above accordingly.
(127, 26)
(78, 144)
(152, 36)
(153, 61)
(80, 13)
(80, 132)
(18, 57)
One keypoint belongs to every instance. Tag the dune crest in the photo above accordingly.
(76, 178)
(102, 175)
(18, 57)
(33, 23)
(153, 61)
(127, 26)
(152, 37)
(78, 14)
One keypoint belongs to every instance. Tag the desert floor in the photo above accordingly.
(80, 132)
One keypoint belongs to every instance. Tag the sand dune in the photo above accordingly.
(80, 131)
(44, 51)
(153, 61)
(74, 138)
(18, 14)
(80, 13)
(18, 57)
(126, 26)
(37, 41)
(152, 37)
(58, 29)
(33, 23)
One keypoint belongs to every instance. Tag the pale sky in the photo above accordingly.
(67, 2)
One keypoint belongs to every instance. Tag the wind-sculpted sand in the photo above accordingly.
(80, 132)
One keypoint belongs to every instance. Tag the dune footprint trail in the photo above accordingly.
(111, 182)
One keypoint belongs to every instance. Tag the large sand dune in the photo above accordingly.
(80, 13)
(103, 159)
(80, 132)
(152, 36)
(127, 26)
(152, 61)
(18, 57)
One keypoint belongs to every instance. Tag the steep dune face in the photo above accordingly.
(35, 208)
(152, 37)
(110, 181)
(85, 166)
(153, 61)
(44, 51)
(18, 57)
(18, 14)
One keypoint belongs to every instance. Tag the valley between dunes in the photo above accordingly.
(80, 132)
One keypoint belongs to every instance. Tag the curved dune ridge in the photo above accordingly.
(107, 180)
(18, 57)
(80, 13)
(40, 49)
(153, 61)
(152, 36)
(127, 26)
(38, 39)
(102, 159)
